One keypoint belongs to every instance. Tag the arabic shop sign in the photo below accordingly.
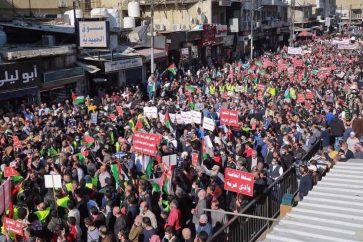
(20, 75)
(93, 34)
(122, 64)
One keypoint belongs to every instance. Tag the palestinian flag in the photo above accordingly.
(172, 68)
(88, 140)
(79, 100)
(167, 122)
(116, 170)
(138, 125)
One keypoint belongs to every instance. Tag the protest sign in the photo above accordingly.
(172, 117)
(7, 193)
(186, 117)
(196, 117)
(199, 106)
(14, 226)
(294, 50)
(151, 112)
(146, 143)
(195, 157)
(208, 124)
(161, 117)
(94, 118)
(239, 181)
(53, 181)
(300, 98)
(228, 117)
(309, 95)
(113, 117)
(10, 171)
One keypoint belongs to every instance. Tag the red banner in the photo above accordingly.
(16, 142)
(238, 181)
(228, 117)
(10, 171)
(7, 193)
(119, 110)
(309, 95)
(145, 143)
(300, 98)
(14, 226)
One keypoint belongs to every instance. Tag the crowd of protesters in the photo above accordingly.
(286, 104)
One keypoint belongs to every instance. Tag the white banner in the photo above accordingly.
(186, 117)
(208, 124)
(294, 50)
(53, 181)
(151, 112)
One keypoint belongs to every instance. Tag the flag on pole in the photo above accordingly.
(138, 125)
(79, 100)
(51, 152)
(167, 122)
(88, 140)
(149, 168)
(172, 68)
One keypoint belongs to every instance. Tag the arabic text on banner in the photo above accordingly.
(239, 181)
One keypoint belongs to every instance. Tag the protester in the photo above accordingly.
(284, 105)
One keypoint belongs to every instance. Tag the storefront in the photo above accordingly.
(58, 85)
(125, 70)
(207, 43)
(160, 61)
(19, 83)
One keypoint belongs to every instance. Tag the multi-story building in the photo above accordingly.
(349, 12)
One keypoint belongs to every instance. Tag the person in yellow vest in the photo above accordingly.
(292, 93)
(212, 89)
(221, 89)
(272, 91)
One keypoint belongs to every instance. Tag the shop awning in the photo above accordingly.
(146, 53)
(87, 67)
(19, 93)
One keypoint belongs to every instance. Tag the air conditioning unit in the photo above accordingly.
(159, 27)
(62, 4)
(176, 27)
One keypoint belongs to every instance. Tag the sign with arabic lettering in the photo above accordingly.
(93, 34)
(20, 75)
(14, 226)
(146, 143)
(122, 64)
(238, 181)
(228, 117)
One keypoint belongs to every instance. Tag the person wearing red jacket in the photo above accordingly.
(174, 218)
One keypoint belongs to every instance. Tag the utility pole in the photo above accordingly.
(252, 18)
(152, 37)
(292, 22)
(350, 15)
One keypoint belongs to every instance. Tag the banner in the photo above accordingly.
(196, 117)
(238, 181)
(53, 181)
(208, 124)
(186, 117)
(145, 143)
(20, 75)
(294, 50)
(94, 118)
(300, 98)
(151, 112)
(119, 110)
(195, 157)
(14, 226)
(228, 117)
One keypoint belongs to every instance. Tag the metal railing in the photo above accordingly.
(267, 204)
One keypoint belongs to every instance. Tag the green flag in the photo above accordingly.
(156, 187)
(149, 168)
(115, 173)
(51, 152)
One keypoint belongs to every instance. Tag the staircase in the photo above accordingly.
(332, 211)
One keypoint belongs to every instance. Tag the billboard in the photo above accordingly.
(94, 34)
